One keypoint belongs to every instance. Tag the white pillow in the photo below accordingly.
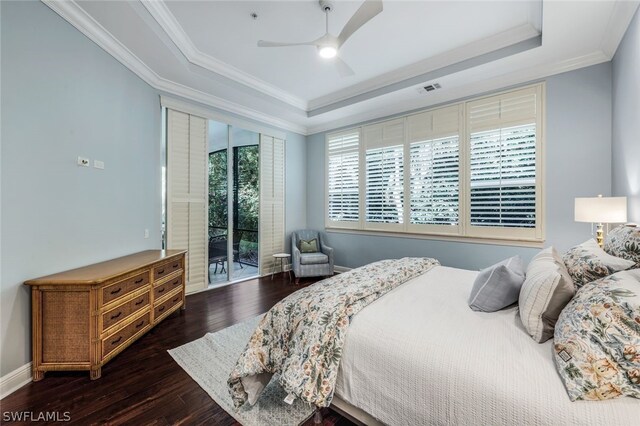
(546, 290)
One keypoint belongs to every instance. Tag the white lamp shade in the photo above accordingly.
(601, 209)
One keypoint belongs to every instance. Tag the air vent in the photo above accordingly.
(428, 88)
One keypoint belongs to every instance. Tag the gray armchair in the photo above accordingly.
(317, 264)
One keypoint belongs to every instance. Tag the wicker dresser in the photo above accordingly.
(84, 317)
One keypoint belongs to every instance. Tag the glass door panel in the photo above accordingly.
(218, 203)
(234, 196)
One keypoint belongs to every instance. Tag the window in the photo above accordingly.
(472, 169)
(384, 183)
(504, 171)
(343, 158)
(384, 194)
(434, 178)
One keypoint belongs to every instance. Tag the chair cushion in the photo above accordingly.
(313, 258)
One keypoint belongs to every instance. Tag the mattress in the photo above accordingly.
(420, 355)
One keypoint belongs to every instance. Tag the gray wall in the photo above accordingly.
(626, 119)
(578, 149)
(63, 96)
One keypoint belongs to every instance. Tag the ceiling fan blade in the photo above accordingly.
(367, 11)
(343, 69)
(264, 43)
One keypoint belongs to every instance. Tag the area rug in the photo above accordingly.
(209, 361)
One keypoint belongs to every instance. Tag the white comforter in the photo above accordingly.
(420, 355)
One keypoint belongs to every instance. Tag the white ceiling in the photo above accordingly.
(404, 33)
(206, 51)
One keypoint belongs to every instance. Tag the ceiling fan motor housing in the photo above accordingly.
(327, 6)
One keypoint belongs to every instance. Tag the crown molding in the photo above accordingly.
(71, 12)
(170, 25)
(619, 20)
(462, 92)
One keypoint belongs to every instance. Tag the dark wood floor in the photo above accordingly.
(143, 385)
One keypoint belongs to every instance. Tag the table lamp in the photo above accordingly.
(601, 210)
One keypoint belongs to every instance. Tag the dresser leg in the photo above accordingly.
(95, 374)
(36, 375)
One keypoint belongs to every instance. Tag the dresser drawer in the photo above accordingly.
(167, 287)
(115, 315)
(167, 305)
(115, 340)
(167, 268)
(139, 303)
(119, 289)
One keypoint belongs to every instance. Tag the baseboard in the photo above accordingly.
(13, 381)
(340, 269)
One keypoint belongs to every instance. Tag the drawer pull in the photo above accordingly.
(161, 290)
(116, 316)
(176, 299)
(116, 291)
(116, 341)
(140, 324)
(175, 265)
(139, 281)
(161, 271)
(139, 302)
(176, 282)
(161, 308)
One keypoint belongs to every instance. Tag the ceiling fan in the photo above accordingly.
(328, 45)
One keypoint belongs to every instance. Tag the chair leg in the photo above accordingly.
(297, 280)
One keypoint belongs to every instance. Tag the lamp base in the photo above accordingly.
(600, 235)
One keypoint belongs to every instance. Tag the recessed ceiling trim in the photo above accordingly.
(170, 25)
(434, 74)
(461, 93)
(497, 41)
(75, 15)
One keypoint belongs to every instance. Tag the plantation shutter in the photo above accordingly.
(384, 171)
(343, 186)
(272, 187)
(186, 193)
(434, 171)
(504, 165)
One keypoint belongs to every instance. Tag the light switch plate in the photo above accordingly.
(98, 164)
(83, 162)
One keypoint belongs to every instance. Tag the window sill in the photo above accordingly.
(438, 237)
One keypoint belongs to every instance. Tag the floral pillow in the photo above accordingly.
(597, 339)
(587, 262)
(624, 241)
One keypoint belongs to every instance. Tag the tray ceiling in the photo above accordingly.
(206, 51)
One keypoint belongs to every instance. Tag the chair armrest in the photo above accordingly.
(329, 252)
(296, 255)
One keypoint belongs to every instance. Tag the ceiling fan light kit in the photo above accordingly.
(327, 52)
(329, 45)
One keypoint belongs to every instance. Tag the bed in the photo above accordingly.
(419, 355)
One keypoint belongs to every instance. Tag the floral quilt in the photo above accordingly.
(597, 339)
(302, 336)
(624, 241)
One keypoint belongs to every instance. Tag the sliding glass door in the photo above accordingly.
(233, 210)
